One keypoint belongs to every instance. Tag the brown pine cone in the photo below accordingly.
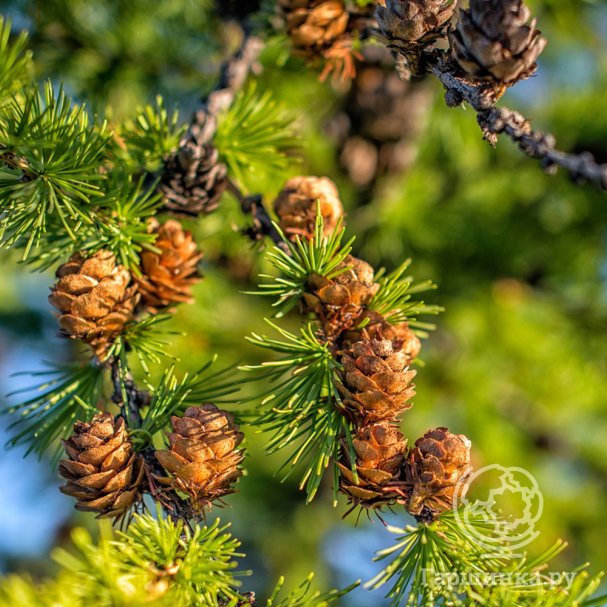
(167, 277)
(434, 467)
(339, 302)
(94, 298)
(410, 23)
(497, 41)
(194, 180)
(103, 473)
(376, 382)
(314, 26)
(297, 204)
(203, 459)
(380, 452)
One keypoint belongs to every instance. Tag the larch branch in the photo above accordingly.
(495, 121)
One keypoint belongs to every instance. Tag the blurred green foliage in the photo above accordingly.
(519, 359)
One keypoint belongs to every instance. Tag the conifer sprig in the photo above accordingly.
(154, 560)
(145, 338)
(67, 394)
(118, 224)
(302, 259)
(15, 67)
(299, 405)
(199, 561)
(394, 299)
(52, 155)
(442, 563)
(150, 137)
(424, 552)
(154, 563)
(255, 137)
(547, 593)
(123, 227)
(302, 596)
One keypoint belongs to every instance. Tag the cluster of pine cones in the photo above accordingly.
(96, 298)
(105, 474)
(376, 379)
(494, 40)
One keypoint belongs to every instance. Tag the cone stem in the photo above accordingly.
(126, 394)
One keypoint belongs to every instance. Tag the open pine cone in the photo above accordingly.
(203, 459)
(437, 463)
(94, 298)
(102, 472)
(167, 277)
(376, 382)
(297, 204)
(497, 41)
(339, 302)
(194, 179)
(380, 451)
(314, 26)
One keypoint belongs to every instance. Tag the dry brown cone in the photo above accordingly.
(376, 382)
(313, 26)
(380, 452)
(194, 180)
(409, 24)
(435, 465)
(94, 299)
(497, 41)
(299, 201)
(203, 459)
(103, 473)
(167, 277)
(339, 302)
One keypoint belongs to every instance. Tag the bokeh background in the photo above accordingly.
(518, 361)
